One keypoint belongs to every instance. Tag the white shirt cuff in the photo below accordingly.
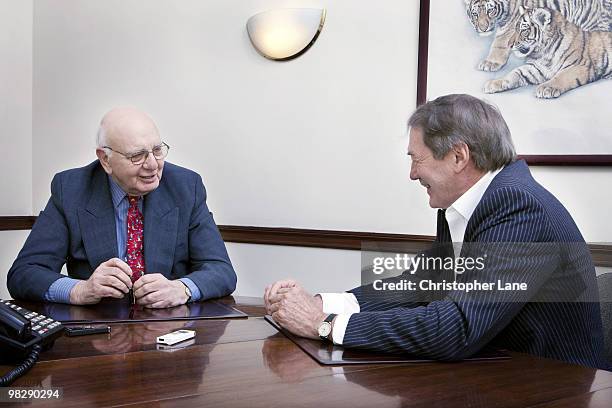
(339, 328)
(339, 303)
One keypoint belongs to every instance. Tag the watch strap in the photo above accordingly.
(330, 317)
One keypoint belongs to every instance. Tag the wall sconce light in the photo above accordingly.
(285, 34)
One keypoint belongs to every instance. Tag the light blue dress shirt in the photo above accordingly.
(59, 291)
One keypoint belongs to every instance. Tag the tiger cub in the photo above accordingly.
(560, 56)
(501, 16)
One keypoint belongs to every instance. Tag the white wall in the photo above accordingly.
(10, 244)
(15, 124)
(317, 142)
(16, 106)
(585, 194)
(318, 270)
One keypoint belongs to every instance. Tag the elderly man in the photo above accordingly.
(126, 222)
(493, 210)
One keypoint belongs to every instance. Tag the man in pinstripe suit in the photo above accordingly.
(488, 202)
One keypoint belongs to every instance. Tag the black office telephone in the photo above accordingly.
(23, 335)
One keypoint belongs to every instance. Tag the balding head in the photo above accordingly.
(124, 124)
(128, 131)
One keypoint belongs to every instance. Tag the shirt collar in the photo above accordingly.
(117, 194)
(467, 203)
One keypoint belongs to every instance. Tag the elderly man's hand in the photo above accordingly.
(155, 291)
(110, 279)
(295, 309)
(272, 290)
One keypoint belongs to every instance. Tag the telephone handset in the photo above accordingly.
(23, 334)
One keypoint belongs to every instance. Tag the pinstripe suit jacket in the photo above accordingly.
(557, 316)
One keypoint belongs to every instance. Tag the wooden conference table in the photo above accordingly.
(246, 362)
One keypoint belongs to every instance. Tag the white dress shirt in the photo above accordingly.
(457, 217)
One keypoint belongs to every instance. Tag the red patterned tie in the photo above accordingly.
(135, 239)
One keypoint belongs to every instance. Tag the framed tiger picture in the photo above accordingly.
(546, 64)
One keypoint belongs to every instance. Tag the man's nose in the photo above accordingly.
(413, 172)
(151, 162)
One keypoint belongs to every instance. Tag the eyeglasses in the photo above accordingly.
(159, 152)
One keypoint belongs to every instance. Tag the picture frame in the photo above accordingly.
(532, 158)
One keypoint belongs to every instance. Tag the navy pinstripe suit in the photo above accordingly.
(557, 316)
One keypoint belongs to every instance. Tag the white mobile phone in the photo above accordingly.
(176, 337)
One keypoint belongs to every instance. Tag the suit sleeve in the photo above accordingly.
(461, 323)
(40, 261)
(211, 269)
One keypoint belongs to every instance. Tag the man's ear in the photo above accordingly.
(461, 156)
(103, 157)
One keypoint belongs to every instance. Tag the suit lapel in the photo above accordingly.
(97, 222)
(160, 229)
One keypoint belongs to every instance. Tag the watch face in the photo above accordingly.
(324, 329)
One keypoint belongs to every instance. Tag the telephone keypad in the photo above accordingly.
(41, 324)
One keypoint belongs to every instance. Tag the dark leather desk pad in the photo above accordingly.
(121, 311)
(329, 354)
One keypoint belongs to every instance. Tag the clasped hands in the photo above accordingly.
(113, 279)
(292, 307)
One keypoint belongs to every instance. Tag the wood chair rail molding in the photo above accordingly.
(348, 240)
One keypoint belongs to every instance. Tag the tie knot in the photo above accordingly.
(133, 201)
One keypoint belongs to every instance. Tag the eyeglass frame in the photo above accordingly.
(146, 152)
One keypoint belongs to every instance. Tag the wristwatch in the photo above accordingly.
(325, 328)
(187, 292)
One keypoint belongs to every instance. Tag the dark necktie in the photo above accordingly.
(443, 234)
(443, 249)
(135, 239)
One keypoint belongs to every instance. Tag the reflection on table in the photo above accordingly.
(120, 310)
